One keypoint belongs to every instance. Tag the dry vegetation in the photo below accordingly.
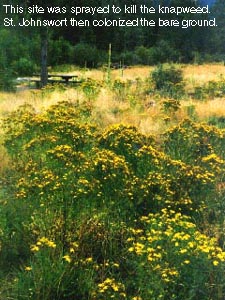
(87, 200)
(109, 109)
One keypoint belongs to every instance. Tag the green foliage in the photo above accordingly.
(11, 47)
(87, 46)
(211, 89)
(124, 140)
(217, 121)
(60, 51)
(50, 276)
(190, 142)
(6, 72)
(86, 55)
(170, 105)
(168, 80)
(167, 251)
(90, 88)
(191, 112)
(128, 58)
(24, 67)
(162, 52)
(15, 57)
(143, 55)
(113, 213)
(121, 89)
(6, 80)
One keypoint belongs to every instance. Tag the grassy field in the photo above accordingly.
(194, 75)
(115, 189)
(107, 106)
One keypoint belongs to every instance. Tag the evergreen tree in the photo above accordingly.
(217, 34)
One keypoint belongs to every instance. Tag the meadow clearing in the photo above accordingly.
(115, 189)
(107, 100)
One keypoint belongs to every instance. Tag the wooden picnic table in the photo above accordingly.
(65, 77)
(53, 78)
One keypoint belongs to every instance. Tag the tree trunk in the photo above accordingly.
(44, 56)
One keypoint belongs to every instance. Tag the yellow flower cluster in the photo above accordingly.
(67, 258)
(41, 243)
(109, 285)
(170, 242)
(124, 140)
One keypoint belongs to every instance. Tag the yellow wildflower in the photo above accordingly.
(67, 258)
(34, 248)
(89, 259)
(215, 262)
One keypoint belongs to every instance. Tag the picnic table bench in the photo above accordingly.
(56, 78)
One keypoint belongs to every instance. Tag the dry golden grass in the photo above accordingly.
(130, 73)
(200, 74)
(206, 109)
(108, 109)
(38, 99)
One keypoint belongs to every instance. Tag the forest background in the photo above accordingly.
(88, 46)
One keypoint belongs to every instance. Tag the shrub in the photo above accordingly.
(7, 80)
(124, 140)
(166, 252)
(128, 58)
(60, 51)
(217, 121)
(143, 55)
(86, 55)
(121, 89)
(24, 67)
(92, 214)
(90, 88)
(168, 80)
(190, 141)
(210, 89)
(172, 259)
(163, 52)
(170, 105)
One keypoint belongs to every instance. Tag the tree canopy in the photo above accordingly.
(131, 45)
